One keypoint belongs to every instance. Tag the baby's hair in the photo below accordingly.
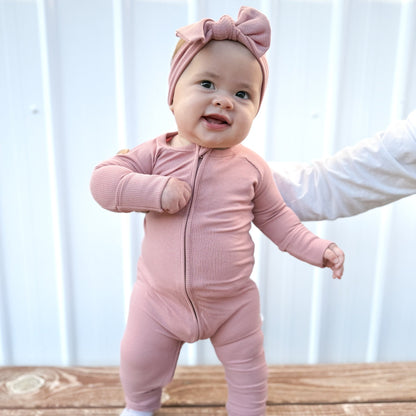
(178, 46)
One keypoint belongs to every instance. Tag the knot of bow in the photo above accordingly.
(251, 28)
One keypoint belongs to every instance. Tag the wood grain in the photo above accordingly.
(52, 387)
(343, 383)
(387, 389)
(385, 409)
(347, 383)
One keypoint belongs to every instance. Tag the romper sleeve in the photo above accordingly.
(374, 172)
(279, 223)
(125, 183)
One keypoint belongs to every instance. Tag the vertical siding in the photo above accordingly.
(80, 79)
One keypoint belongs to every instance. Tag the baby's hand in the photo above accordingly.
(175, 195)
(334, 259)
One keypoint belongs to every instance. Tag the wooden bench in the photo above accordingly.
(330, 390)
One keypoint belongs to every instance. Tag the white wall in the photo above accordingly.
(80, 79)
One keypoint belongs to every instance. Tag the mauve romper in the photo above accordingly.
(193, 276)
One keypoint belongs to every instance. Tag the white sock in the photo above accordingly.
(130, 412)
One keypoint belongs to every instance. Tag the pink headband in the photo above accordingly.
(252, 29)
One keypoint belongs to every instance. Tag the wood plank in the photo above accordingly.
(99, 387)
(304, 384)
(343, 383)
(377, 409)
(51, 387)
(386, 409)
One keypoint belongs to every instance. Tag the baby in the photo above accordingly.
(202, 190)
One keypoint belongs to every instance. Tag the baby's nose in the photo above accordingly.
(223, 101)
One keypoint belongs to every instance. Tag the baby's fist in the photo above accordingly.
(175, 196)
(334, 259)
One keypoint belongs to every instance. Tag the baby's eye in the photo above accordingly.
(243, 94)
(207, 84)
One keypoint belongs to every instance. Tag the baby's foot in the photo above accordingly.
(130, 412)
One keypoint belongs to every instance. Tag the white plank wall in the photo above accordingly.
(80, 79)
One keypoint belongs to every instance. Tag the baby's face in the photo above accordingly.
(217, 97)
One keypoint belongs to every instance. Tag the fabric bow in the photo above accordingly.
(251, 28)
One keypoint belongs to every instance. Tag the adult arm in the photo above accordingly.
(372, 173)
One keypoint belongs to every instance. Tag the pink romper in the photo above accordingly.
(194, 271)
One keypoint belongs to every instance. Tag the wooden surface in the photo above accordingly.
(322, 390)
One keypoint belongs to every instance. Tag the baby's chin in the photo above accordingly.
(217, 144)
(210, 141)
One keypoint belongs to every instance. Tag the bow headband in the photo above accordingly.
(251, 29)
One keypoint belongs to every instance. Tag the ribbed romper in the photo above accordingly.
(193, 276)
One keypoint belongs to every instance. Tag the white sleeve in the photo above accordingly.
(372, 173)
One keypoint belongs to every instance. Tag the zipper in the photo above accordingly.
(200, 158)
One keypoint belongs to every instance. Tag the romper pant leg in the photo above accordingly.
(149, 355)
(244, 362)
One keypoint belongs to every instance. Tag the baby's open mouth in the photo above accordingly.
(216, 119)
